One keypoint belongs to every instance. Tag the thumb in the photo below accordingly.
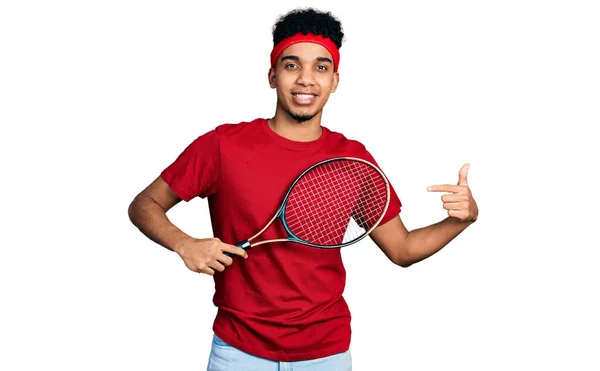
(462, 175)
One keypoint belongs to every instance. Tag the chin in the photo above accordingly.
(302, 117)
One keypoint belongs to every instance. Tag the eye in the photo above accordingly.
(322, 68)
(291, 65)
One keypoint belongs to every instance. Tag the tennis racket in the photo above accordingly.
(332, 204)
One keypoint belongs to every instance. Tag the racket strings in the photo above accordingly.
(338, 210)
(336, 202)
(339, 217)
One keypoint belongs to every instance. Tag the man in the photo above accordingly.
(280, 303)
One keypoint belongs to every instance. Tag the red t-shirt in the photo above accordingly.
(285, 301)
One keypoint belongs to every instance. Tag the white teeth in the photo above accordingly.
(304, 96)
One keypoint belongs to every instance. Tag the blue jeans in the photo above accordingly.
(224, 357)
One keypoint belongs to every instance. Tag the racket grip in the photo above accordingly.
(244, 245)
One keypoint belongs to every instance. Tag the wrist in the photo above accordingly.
(179, 244)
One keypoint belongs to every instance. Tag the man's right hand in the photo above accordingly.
(207, 255)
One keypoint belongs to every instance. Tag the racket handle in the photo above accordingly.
(244, 245)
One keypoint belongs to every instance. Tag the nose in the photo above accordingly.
(306, 77)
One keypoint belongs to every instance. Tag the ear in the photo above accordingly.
(272, 82)
(336, 81)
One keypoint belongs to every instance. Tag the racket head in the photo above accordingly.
(335, 203)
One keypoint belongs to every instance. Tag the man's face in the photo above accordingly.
(303, 76)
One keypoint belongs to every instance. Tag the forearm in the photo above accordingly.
(424, 242)
(151, 219)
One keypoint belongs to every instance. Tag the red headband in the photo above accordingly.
(325, 42)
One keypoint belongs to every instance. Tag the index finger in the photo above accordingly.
(234, 250)
(445, 188)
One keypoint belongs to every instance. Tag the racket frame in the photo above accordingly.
(247, 244)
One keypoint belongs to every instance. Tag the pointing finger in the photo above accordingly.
(445, 188)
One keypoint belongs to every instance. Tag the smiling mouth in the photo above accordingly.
(302, 98)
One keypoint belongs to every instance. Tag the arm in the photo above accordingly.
(406, 248)
(148, 212)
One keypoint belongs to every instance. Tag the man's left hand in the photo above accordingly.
(460, 202)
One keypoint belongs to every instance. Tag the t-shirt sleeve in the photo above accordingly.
(395, 205)
(196, 170)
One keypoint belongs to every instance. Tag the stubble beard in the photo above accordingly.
(301, 117)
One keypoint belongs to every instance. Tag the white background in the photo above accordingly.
(96, 98)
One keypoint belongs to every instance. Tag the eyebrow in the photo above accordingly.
(295, 58)
(323, 59)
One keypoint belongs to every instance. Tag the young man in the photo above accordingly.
(280, 302)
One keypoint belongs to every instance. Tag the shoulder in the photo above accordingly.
(227, 132)
(241, 128)
(344, 144)
(211, 140)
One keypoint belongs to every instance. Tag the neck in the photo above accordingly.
(284, 125)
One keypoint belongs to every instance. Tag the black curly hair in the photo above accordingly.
(308, 20)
